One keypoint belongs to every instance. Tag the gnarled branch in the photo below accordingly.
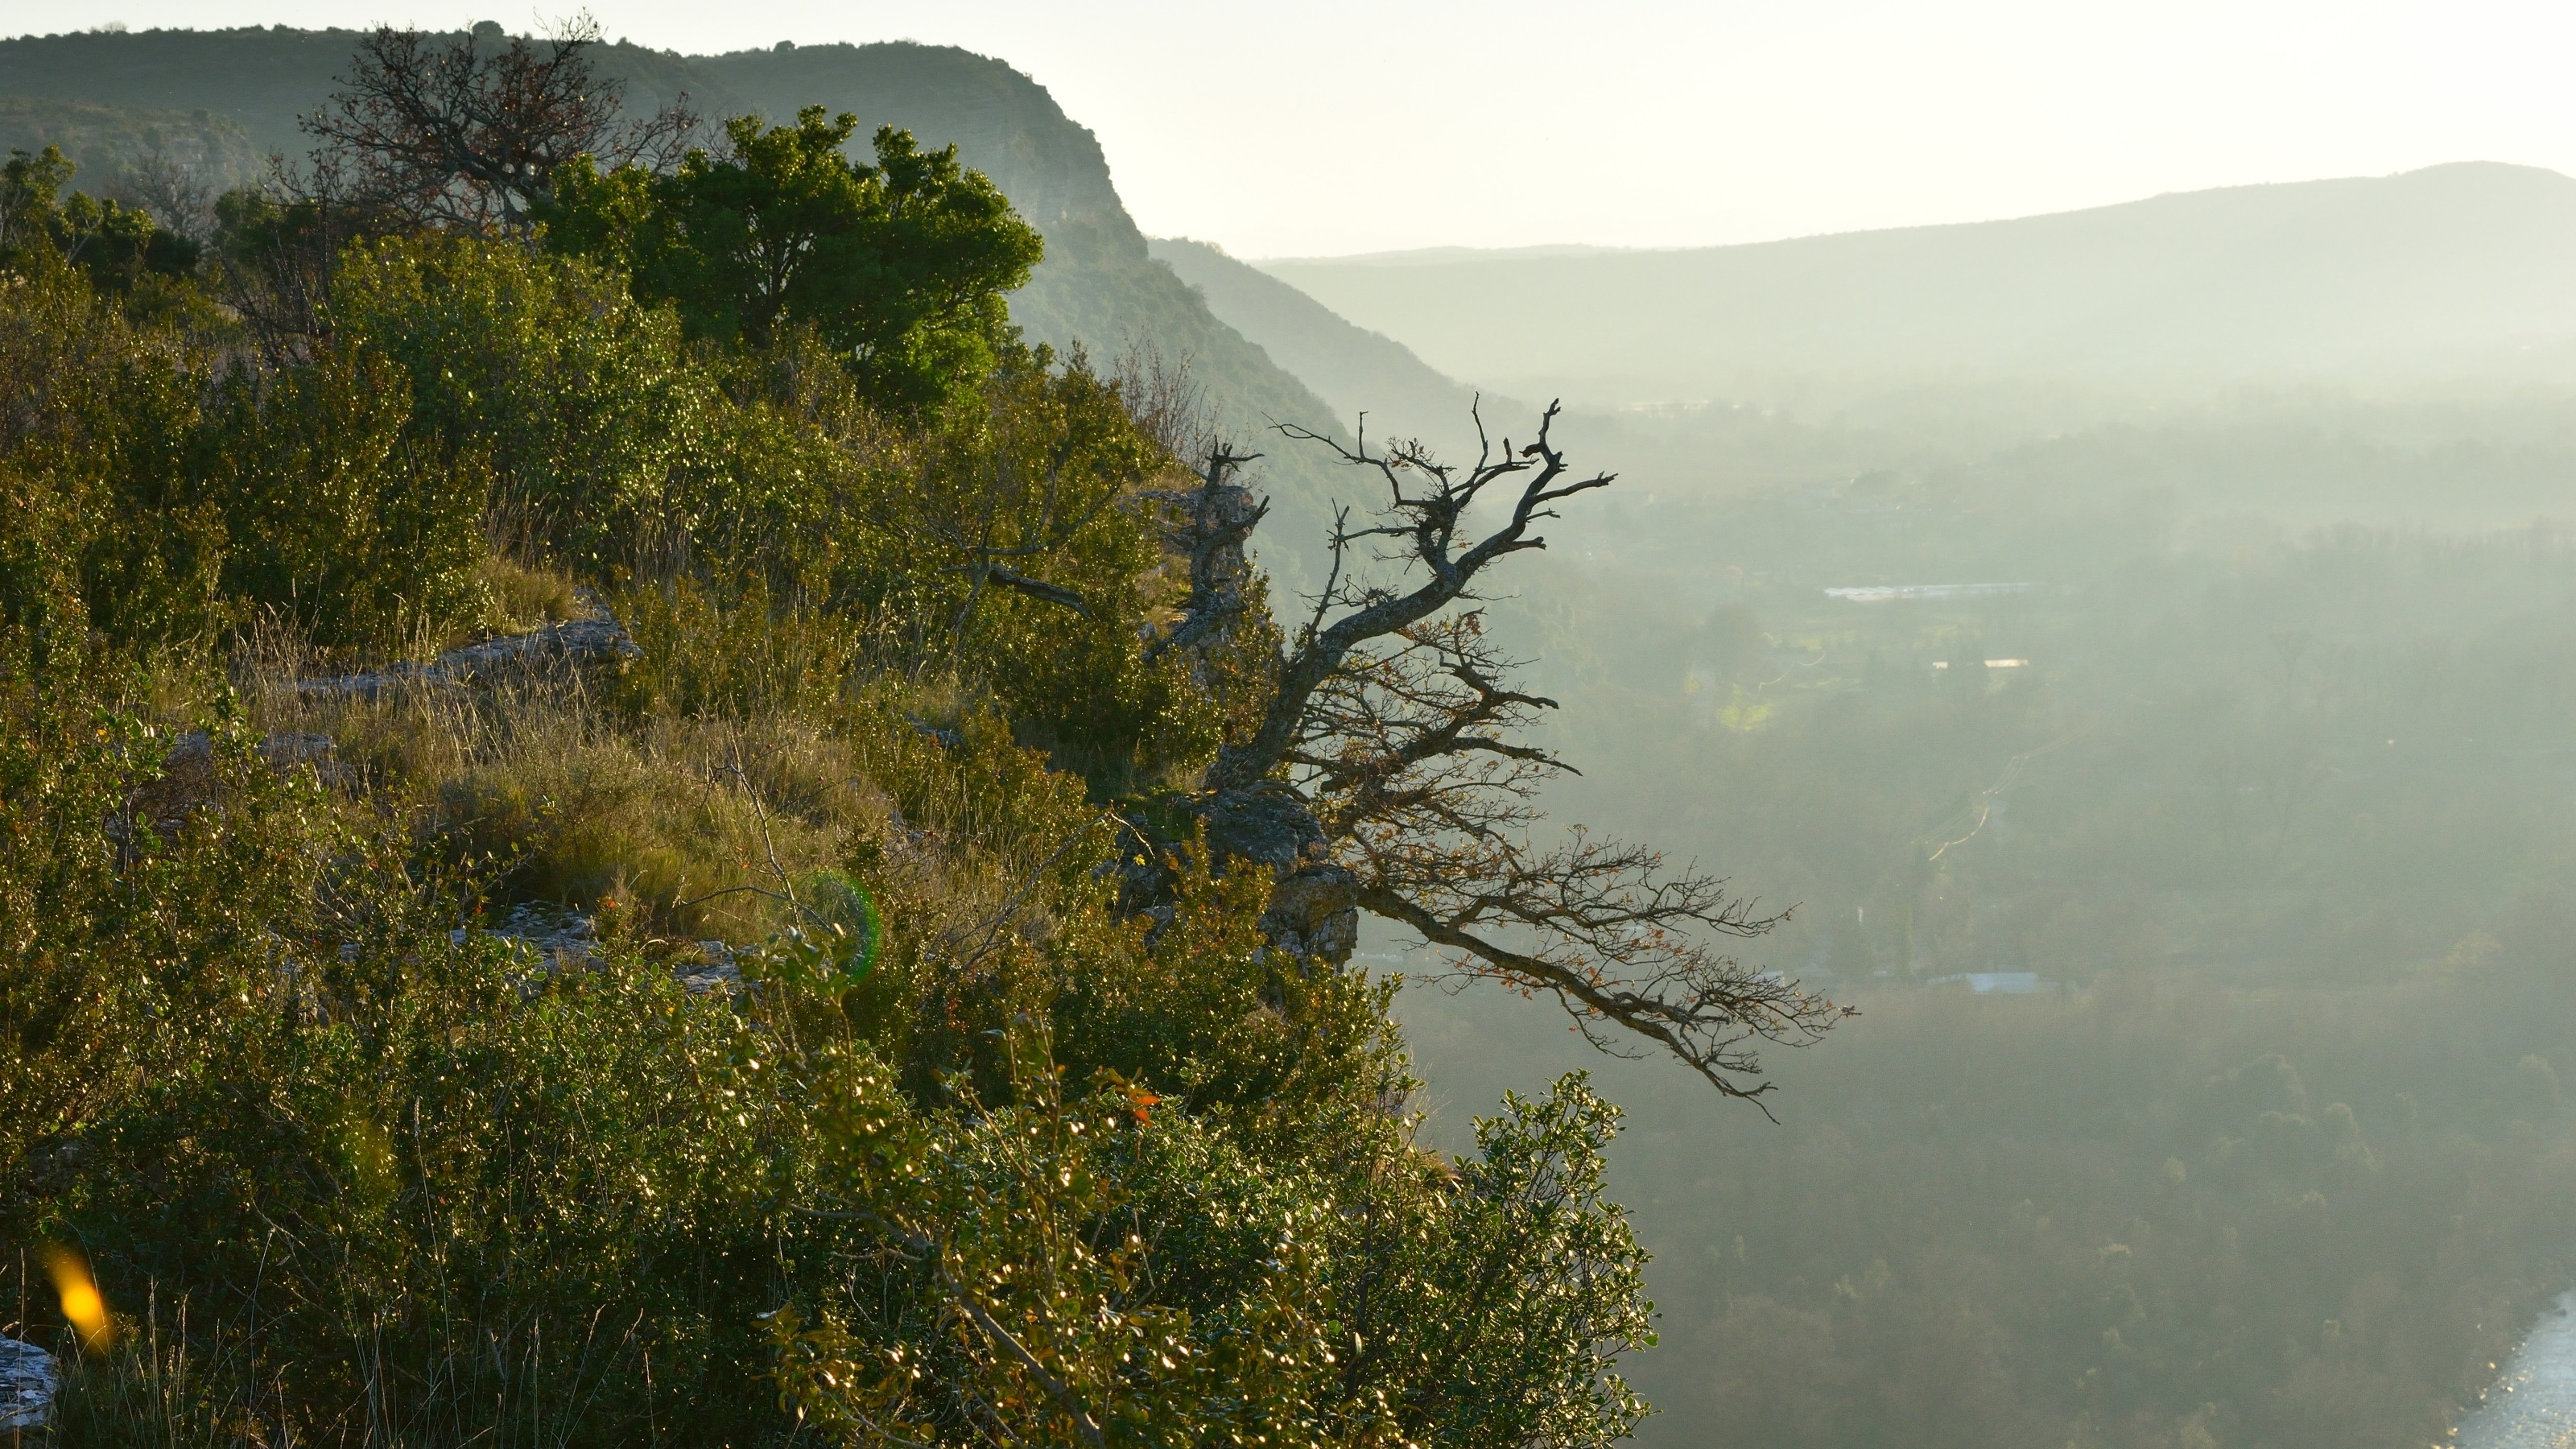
(1221, 516)
(1427, 506)
(449, 132)
(1389, 772)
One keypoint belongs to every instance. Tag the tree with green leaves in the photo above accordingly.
(118, 246)
(901, 265)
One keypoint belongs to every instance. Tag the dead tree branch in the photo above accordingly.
(1427, 506)
(1221, 517)
(1396, 737)
(468, 132)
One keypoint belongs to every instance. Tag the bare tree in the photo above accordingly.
(467, 131)
(175, 191)
(278, 246)
(1211, 524)
(1385, 774)
(1166, 398)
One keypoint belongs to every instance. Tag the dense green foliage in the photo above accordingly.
(159, 494)
(1096, 288)
(117, 245)
(361, 1155)
(901, 265)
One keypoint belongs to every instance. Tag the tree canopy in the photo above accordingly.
(118, 246)
(901, 265)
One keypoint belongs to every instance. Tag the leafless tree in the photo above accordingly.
(1211, 524)
(1166, 399)
(279, 248)
(175, 191)
(467, 131)
(1387, 771)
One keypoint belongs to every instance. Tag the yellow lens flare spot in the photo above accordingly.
(80, 1297)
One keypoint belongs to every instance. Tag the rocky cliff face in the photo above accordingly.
(1002, 122)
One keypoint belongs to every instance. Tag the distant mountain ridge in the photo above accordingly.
(2468, 267)
(1433, 256)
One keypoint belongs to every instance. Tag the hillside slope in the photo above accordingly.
(1352, 368)
(111, 143)
(2451, 270)
(1097, 288)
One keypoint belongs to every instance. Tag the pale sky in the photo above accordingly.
(1334, 126)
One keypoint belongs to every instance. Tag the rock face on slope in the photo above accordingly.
(29, 1378)
(1314, 903)
(598, 642)
(187, 779)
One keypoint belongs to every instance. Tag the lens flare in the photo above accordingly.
(80, 1297)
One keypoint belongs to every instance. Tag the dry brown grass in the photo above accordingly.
(577, 791)
(526, 598)
(568, 800)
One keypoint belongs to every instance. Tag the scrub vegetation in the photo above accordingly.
(745, 1030)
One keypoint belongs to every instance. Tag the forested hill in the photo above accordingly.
(2448, 271)
(1097, 285)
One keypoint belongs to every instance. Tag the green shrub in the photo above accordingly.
(135, 920)
(365, 535)
(160, 493)
(105, 526)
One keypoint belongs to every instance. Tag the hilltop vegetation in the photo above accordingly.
(603, 855)
(1096, 288)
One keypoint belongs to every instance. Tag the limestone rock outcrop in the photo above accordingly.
(597, 641)
(29, 1379)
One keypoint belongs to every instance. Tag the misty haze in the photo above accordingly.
(694, 750)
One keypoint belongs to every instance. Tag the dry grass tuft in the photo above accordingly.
(525, 598)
